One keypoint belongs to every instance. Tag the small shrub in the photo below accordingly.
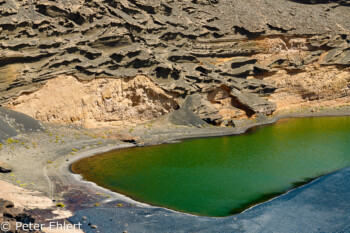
(60, 205)
(9, 141)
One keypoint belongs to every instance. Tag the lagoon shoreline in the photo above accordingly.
(60, 184)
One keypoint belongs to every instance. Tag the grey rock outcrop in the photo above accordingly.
(253, 103)
(202, 108)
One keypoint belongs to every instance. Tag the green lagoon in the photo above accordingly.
(221, 176)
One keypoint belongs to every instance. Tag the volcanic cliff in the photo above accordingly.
(119, 62)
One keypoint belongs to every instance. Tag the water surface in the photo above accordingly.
(223, 175)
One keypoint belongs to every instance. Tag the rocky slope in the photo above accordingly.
(13, 216)
(13, 123)
(233, 59)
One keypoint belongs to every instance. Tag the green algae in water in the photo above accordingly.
(222, 175)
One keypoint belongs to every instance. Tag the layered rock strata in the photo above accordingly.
(243, 58)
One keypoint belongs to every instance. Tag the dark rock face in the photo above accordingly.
(187, 46)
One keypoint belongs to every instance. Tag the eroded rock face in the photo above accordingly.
(186, 47)
(314, 86)
(97, 103)
(223, 105)
(203, 109)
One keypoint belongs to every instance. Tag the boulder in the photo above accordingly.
(254, 103)
(5, 167)
(202, 108)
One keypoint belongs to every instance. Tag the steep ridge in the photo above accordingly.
(243, 58)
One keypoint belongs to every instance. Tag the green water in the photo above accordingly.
(220, 176)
